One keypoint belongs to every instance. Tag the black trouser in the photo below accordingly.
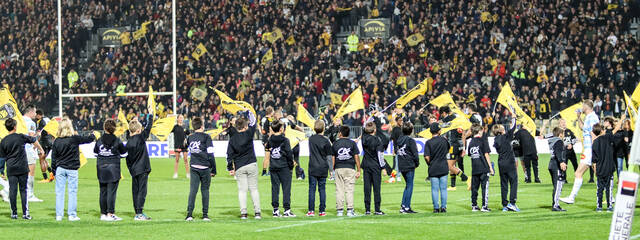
(296, 158)
(321, 182)
(281, 177)
(372, 178)
(509, 181)
(139, 191)
(199, 178)
(477, 181)
(571, 157)
(457, 155)
(20, 181)
(557, 180)
(529, 163)
(604, 184)
(108, 193)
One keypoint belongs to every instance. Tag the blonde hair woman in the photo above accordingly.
(65, 160)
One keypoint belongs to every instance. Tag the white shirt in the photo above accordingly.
(590, 120)
(31, 129)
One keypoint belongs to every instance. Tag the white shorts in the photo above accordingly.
(32, 157)
(585, 158)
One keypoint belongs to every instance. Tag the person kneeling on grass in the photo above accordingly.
(139, 165)
(203, 167)
(279, 159)
(65, 159)
(108, 150)
(408, 161)
(241, 162)
(12, 152)
(346, 160)
(436, 152)
(481, 167)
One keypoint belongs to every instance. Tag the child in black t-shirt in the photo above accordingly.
(372, 164)
(605, 161)
(507, 166)
(479, 150)
(346, 162)
(279, 159)
(557, 166)
(203, 167)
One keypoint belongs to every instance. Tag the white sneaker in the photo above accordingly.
(59, 218)
(175, 175)
(351, 213)
(116, 218)
(340, 213)
(33, 198)
(74, 218)
(567, 200)
(398, 179)
(5, 195)
(105, 218)
(188, 176)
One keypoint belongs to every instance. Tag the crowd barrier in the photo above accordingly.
(158, 149)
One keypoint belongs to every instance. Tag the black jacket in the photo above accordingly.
(604, 155)
(12, 150)
(319, 151)
(201, 150)
(373, 149)
(65, 152)
(407, 152)
(138, 158)
(558, 153)
(108, 150)
(437, 149)
(281, 156)
(527, 143)
(240, 151)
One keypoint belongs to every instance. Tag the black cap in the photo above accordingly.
(434, 128)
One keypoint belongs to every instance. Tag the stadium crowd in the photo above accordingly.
(555, 53)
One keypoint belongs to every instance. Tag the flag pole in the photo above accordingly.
(60, 58)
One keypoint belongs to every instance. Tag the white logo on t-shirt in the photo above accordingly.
(474, 152)
(402, 150)
(344, 153)
(104, 151)
(194, 147)
(275, 153)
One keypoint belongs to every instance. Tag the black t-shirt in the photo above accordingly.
(506, 157)
(396, 133)
(137, 156)
(527, 143)
(179, 135)
(65, 152)
(476, 149)
(281, 156)
(344, 150)
(558, 153)
(12, 149)
(454, 136)
(603, 155)
(201, 150)
(240, 151)
(108, 150)
(371, 145)
(437, 149)
(319, 150)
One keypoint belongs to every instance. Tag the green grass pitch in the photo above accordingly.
(167, 202)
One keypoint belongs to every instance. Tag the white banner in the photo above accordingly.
(162, 150)
(625, 206)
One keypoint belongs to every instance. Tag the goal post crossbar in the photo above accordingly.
(128, 94)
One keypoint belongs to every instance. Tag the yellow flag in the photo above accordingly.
(410, 25)
(199, 51)
(294, 136)
(198, 94)
(635, 97)
(445, 99)
(271, 37)
(83, 159)
(633, 114)
(122, 125)
(125, 38)
(278, 33)
(414, 39)
(304, 116)
(162, 127)
(509, 100)
(353, 103)
(336, 98)
(138, 34)
(267, 57)
(215, 132)
(52, 128)
(144, 26)
(290, 40)
(416, 91)
(9, 109)
(571, 117)
(151, 102)
(233, 106)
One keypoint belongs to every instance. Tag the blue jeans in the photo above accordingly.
(321, 183)
(408, 189)
(620, 166)
(64, 176)
(439, 189)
